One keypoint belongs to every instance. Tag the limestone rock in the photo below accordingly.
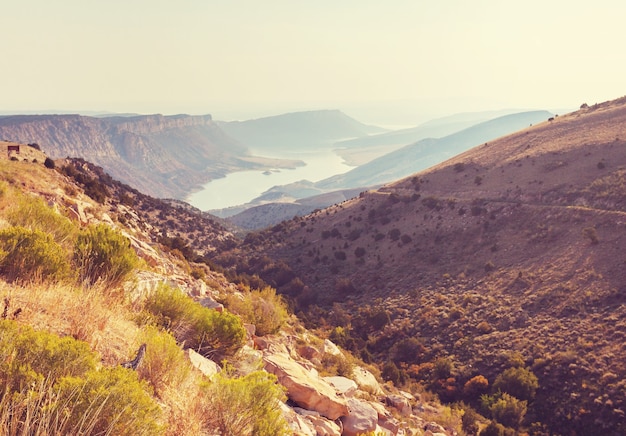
(363, 418)
(331, 348)
(204, 365)
(343, 386)
(400, 402)
(366, 381)
(304, 388)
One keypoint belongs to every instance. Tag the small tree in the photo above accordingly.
(519, 382)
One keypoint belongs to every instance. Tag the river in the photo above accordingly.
(243, 186)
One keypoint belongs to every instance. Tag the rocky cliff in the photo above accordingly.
(164, 156)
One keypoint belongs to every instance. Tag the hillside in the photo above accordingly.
(163, 156)
(359, 151)
(297, 131)
(114, 322)
(430, 151)
(506, 259)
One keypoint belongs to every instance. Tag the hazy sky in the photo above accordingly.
(393, 61)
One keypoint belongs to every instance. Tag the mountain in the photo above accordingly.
(297, 131)
(108, 293)
(422, 154)
(165, 156)
(498, 271)
(358, 151)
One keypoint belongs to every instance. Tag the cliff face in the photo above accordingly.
(164, 156)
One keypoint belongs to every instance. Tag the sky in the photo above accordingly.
(392, 62)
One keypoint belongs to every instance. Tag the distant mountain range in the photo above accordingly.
(164, 156)
(387, 168)
(297, 130)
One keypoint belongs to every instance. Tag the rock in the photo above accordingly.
(331, 348)
(204, 365)
(210, 303)
(363, 418)
(399, 402)
(324, 426)
(309, 352)
(304, 388)
(343, 386)
(366, 381)
(434, 429)
(298, 424)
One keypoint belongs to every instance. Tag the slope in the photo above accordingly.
(427, 152)
(164, 156)
(508, 255)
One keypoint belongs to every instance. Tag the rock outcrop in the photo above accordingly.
(163, 156)
(305, 388)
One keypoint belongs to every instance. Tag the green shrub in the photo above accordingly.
(246, 406)
(519, 382)
(28, 356)
(206, 330)
(27, 255)
(504, 408)
(32, 213)
(164, 363)
(109, 401)
(103, 254)
(263, 308)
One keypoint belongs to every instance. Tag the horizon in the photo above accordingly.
(400, 63)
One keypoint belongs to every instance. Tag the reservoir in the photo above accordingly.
(243, 186)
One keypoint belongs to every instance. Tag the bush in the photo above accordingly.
(519, 382)
(49, 163)
(27, 255)
(109, 401)
(164, 363)
(50, 386)
(475, 387)
(504, 408)
(263, 308)
(205, 330)
(33, 214)
(103, 254)
(28, 356)
(246, 406)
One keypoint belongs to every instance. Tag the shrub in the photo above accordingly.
(206, 330)
(164, 363)
(519, 382)
(508, 410)
(28, 356)
(408, 350)
(33, 214)
(103, 254)
(31, 255)
(109, 401)
(49, 163)
(246, 406)
(476, 386)
(263, 308)
(591, 234)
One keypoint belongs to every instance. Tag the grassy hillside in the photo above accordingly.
(507, 259)
(110, 316)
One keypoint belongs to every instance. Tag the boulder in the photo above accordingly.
(298, 424)
(399, 402)
(363, 418)
(201, 363)
(304, 388)
(331, 348)
(366, 381)
(343, 386)
(324, 426)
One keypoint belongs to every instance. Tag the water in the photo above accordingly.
(243, 186)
